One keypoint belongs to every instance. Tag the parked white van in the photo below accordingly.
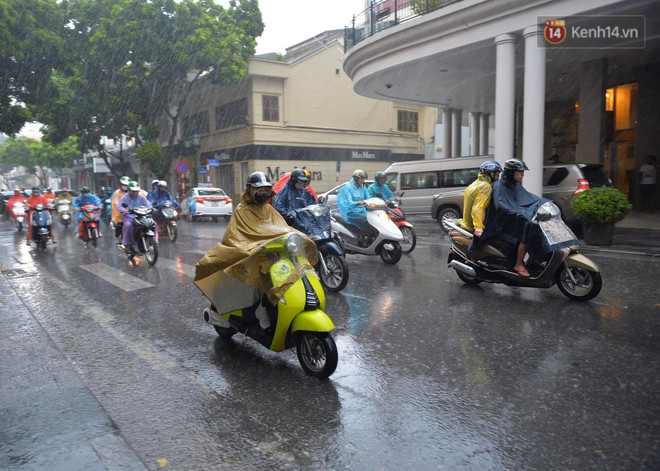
(418, 180)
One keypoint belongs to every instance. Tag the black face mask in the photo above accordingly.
(261, 198)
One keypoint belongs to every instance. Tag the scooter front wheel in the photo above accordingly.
(19, 225)
(409, 239)
(578, 284)
(172, 232)
(336, 278)
(150, 250)
(317, 353)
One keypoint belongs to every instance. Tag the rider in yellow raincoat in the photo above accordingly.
(477, 197)
(239, 255)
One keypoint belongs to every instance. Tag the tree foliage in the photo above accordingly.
(129, 63)
(36, 155)
(31, 46)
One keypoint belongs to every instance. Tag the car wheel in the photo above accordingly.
(446, 214)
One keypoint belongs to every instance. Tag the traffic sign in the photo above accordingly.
(182, 167)
(214, 162)
(202, 170)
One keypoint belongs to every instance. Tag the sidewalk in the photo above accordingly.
(50, 420)
(638, 232)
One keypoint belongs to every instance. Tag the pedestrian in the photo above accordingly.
(648, 179)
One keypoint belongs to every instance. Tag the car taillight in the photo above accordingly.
(199, 199)
(583, 184)
(228, 200)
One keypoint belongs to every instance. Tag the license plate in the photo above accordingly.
(213, 203)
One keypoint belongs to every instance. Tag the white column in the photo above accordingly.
(484, 129)
(505, 95)
(534, 110)
(456, 125)
(446, 132)
(474, 132)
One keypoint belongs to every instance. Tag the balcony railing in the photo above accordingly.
(384, 14)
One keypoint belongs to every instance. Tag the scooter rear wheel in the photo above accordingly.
(225, 332)
(317, 353)
(391, 256)
(409, 239)
(587, 283)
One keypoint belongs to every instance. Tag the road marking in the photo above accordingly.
(177, 266)
(116, 277)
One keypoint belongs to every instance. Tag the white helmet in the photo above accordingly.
(162, 183)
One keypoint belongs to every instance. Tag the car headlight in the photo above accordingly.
(294, 243)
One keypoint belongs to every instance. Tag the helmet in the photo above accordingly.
(154, 182)
(379, 174)
(298, 175)
(133, 186)
(258, 180)
(515, 164)
(360, 174)
(308, 174)
(65, 188)
(17, 191)
(35, 189)
(49, 189)
(490, 166)
(162, 183)
(124, 180)
(84, 189)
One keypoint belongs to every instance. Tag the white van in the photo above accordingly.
(418, 180)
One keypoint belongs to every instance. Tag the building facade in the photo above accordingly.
(296, 111)
(592, 98)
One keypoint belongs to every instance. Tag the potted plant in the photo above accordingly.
(600, 209)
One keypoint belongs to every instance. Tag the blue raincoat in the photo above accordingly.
(82, 200)
(380, 191)
(290, 198)
(159, 197)
(348, 199)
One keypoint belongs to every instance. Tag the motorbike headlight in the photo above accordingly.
(317, 210)
(294, 243)
(175, 213)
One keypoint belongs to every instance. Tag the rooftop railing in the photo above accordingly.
(384, 14)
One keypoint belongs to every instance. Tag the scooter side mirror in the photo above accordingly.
(125, 205)
(323, 199)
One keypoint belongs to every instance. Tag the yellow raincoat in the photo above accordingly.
(239, 255)
(475, 202)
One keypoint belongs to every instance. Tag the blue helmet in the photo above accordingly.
(490, 166)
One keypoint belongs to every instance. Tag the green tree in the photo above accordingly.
(132, 62)
(37, 155)
(31, 45)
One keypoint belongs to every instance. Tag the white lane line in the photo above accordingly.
(116, 277)
(176, 266)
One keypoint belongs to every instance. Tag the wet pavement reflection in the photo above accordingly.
(432, 374)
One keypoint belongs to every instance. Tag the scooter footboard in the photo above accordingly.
(312, 321)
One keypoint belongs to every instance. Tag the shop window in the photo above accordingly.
(407, 121)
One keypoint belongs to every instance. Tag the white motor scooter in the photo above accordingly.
(381, 238)
(64, 212)
(18, 215)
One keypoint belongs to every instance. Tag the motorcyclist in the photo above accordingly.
(514, 208)
(85, 197)
(351, 200)
(160, 196)
(49, 194)
(379, 188)
(132, 199)
(239, 255)
(65, 196)
(293, 195)
(116, 215)
(477, 196)
(17, 197)
(279, 184)
(154, 188)
(33, 200)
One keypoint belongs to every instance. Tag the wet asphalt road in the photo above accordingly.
(432, 374)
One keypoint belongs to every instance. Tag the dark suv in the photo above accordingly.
(560, 183)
